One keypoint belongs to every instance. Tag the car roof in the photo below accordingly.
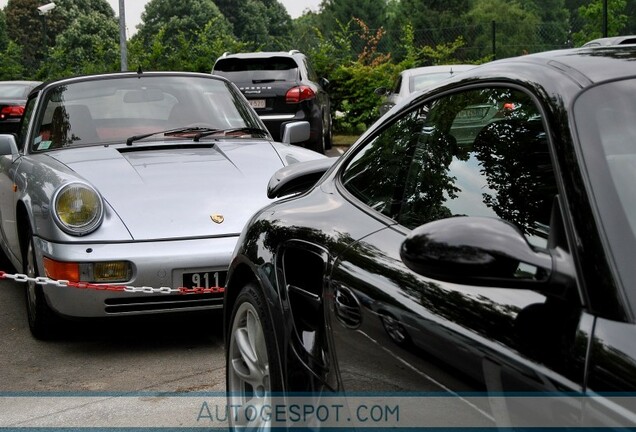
(21, 82)
(261, 54)
(561, 73)
(129, 74)
(437, 69)
(614, 40)
(584, 66)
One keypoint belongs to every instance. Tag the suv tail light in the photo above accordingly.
(299, 94)
(11, 111)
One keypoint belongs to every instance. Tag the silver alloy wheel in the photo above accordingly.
(394, 329)
(248, 375)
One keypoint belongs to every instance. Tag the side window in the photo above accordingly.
(377, 173)
(398, 84)
(24, 122)
(311, 74)
(482, 153)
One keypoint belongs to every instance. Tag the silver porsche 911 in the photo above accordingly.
(133, 179)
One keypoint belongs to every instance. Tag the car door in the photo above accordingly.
(479, 152)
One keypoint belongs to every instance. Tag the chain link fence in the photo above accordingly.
(484, 41)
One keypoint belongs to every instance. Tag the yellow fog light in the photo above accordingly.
(100, 272)
(115, 271)
(78, 208)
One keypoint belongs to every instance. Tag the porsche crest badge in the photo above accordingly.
(217, 218)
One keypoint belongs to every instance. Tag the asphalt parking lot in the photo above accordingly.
(54, 383)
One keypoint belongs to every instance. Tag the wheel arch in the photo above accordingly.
(241, 274)
(24, 226)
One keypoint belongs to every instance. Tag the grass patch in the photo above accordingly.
(344, 140)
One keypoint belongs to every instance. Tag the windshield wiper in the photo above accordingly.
(249, 130)
(266, 80)
(169, 132)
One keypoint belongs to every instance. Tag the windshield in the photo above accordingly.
(257, 69)
(420, 82)
(606, 123)
(111, 109)
(14, 90)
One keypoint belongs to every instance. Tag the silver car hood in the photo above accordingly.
(179, 191)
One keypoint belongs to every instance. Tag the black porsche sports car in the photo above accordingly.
(423, 266)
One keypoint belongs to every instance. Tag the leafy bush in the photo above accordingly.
(353, 94)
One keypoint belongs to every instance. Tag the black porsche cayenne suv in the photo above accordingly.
(282, 87)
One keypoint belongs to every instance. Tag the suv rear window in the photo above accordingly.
(257, 69)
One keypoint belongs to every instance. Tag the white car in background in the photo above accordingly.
(415, 79)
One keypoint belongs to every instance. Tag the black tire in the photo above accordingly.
(319, 144)
(252, 366)
(329, 134)
(42, 320)
(5, 264)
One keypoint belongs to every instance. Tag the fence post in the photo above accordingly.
(494, 40)
(604, 18)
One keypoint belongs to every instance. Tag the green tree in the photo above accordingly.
(35, 33)
(177, 19)
(305, 32)
(4, 39)
(353, 82)
(11, 65)
(21, 15)
(371, 12)
(554, 28)
(67, 11)
(279, 25)
(592, 18)
(433, 13)
(432, 22)
(263, 24)
(516, 32)
(192, 52)
(328, 53)
(251, 24)
(630, 11)
(89, 45)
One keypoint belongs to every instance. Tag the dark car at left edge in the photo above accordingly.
(487, 282)
(13, 96)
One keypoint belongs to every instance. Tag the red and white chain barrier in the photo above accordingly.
(106, 287)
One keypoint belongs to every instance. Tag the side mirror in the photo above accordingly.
(477, 251)
(295, 132)
(324, 83)
(298, 177)
(8, 146)
(381, 91)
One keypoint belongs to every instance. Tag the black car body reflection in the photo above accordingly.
(423, 261)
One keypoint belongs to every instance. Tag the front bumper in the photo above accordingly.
(155, 264)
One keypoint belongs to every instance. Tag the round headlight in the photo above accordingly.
(78, 208)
